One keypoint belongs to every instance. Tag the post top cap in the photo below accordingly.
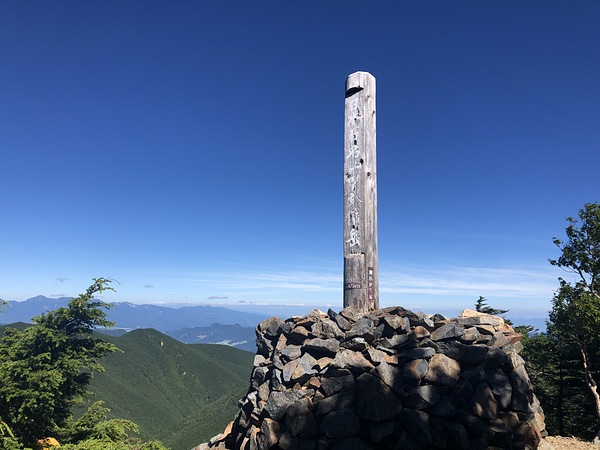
(359, 80)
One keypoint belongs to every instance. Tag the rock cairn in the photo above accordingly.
(392, 379)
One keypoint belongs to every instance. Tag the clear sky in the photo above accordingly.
(193, 150)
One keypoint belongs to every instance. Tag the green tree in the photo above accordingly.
(553, 366)
(575, 315)
(46, 368)
(482, 306)
(94, 430)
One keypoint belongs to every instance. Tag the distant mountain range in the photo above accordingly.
(190, 324)
(131, 316)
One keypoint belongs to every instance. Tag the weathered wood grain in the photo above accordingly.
(361, 271)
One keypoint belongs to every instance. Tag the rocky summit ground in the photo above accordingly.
(570, 443)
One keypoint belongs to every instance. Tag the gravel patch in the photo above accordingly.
(570, 443)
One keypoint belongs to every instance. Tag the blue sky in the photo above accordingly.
(193, 151)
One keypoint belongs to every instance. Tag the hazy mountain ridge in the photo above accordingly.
(236, 336)
(131, 315)
(189, 324)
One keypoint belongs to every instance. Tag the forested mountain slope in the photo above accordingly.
(179, 393)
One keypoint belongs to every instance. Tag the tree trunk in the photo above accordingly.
(589, 380)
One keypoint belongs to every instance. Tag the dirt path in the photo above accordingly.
(564, 443)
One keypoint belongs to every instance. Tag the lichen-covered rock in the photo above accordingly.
(390, 379)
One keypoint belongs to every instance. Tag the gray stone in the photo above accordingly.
(352, 361)
(263, 391)
(279, 402)
(289, 442)
(485, 402)
(395, 323)
(304, 369)
(253, 443)
(288, 370)
(510, 419)
(340, 423)
(485, 339)
(341, 322)
(350, 313)
(427, 342)
(260, 360)
(470, 335)
(474, 425)
(499, 339)
(474, 376)
(270, 432)
(378, 356)
(419, 332)
(422, 397)
(322, 347)
(437, 318)
(522, 390)
(299, 419)
(364, 328)
(501, 386)
(389, 351)
(478, 320)
(417, 353)
(396, 340)
(502, 435)
(375, 401)
(277, 380)
(443, 370)
(264, 346)
(425, 320)
(530, 433)
(444, 408)
(378, 333)
(391, 376)
(259, 375)
(414, 371)
(486, 330)
(326, 329)
(271, 327)
(290, 352)
(520, 379)
(357, 344)
(448, 331)
(515, 360)
(335, 402)
(298, 335)
(416, 423)
(462, 395)
(331, 385)
(278, 360)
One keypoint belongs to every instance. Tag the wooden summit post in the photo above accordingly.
(361, 272)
